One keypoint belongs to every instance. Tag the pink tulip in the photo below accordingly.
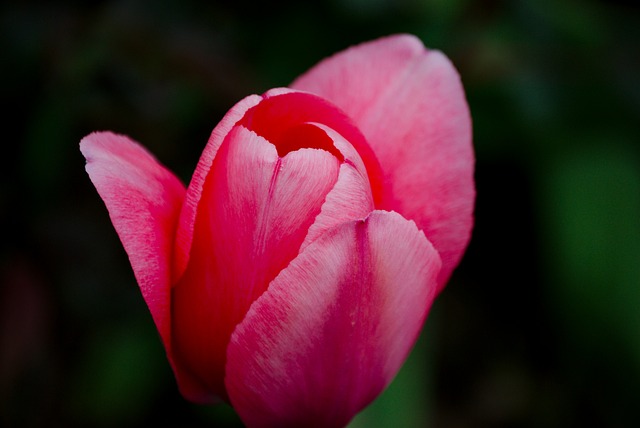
(292, 276)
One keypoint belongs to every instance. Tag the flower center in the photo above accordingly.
(305, 135)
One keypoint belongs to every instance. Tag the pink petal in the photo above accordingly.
(271, 116)
(143, 199)
(347, 151)
(184, 235)
(254, 212)
(410, 105)
(334, 327)
(282, 110)
(350, 198)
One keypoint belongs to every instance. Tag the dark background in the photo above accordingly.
(539, 326)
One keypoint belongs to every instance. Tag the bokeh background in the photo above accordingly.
(539, 326)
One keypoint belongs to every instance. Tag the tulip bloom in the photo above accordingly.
(293, 275)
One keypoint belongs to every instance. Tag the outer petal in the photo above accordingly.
(334, 327)
(253, 215)
(410, 105)
(144, 200)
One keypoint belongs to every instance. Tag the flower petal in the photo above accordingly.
(254, 212)
(143, 199)
(410, 105)
(282, 110)
(335, 326)
(350, 198)
(184, 235)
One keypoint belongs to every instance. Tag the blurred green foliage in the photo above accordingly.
(540, 325)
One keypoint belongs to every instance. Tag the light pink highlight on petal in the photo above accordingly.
(144, 200)
(410, 105)
(334, 327)
(184, 235)
(253, 215)
(278, 91)
(350, 199)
